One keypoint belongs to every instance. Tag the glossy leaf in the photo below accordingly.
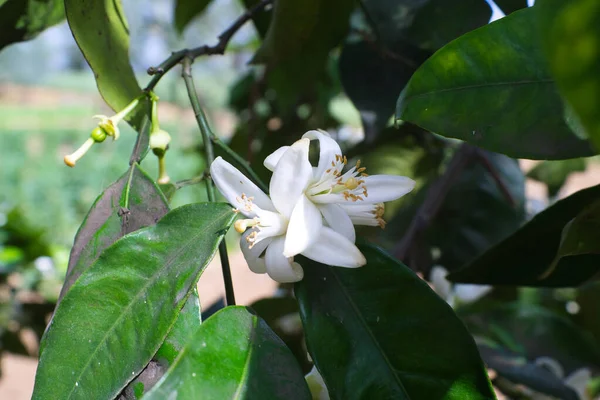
(188, 321)
(186, 11)
(428, 24)
(532, 257)
(132, 202)
(118, 312)
(503, 100)
(101, 32)
(555, 173)
(379, 331)
(24, 19)
(234, 354)
(510, 6)
(571, 36)
(372, 79)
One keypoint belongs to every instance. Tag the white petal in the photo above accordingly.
(338, 220)
(331, 248)
(303, 228)
(281, 268)
(291, 177)
(468, 293)
(271, 161)
(252, 255)
(328, 150)
(441, 285)
(232, 184)
(382, 188)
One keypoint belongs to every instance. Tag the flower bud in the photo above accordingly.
(159, 142)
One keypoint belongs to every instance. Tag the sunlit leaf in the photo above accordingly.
(503, 100)
(234, 354)
(117, 314)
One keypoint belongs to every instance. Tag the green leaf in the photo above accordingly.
(571, 36)
(476, 214)
(186, 11)
(298, 42)
(503, 100)
(532, 255)
(373, 78)
(234, 354)
(132, 202)
(539, 332)
(379, 331)
(261, 20)
(25, 19)
(117, 314)
(510, 6)
(186, 325)
(101, 32)
(428, 24)
(555, 173)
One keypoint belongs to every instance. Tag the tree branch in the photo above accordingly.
(219, 48)
(207, 134)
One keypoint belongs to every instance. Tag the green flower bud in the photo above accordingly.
(98, 134)
(159, 142)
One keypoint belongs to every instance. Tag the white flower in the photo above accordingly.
(462, 293)
(346, 198)
(316, 384)
(287, 223)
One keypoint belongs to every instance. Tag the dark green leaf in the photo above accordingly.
(261, 20)
(132, 202)
(539, 333)
(119, 311)
(476, 213)
(510, 6)
(379, 331)
(24, 19)
(372, 79)
(571, 36)
(428, 24)
(186, 11)
(518, 370)
(101, 32)
(234, 354)
(298, 42)
(503, 100)
(555, 173)
(531, 255)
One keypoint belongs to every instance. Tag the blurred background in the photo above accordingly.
(47, 98)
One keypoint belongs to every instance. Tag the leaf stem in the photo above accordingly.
(224, 39)
(207, 135)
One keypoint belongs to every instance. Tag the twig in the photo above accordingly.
(207, 134)
(434, 199)
(192, 181)
(219, 48)
(484, 160)
(437, 193)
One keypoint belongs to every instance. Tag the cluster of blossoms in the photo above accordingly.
(310, 211)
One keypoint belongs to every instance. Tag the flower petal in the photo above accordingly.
(280, 268)
(338, 220)
(328, 150)
(382, 188)
(331, 248)
(303, 228)
(271, 161)
(232, 184)
(256, 263)
(291, 177)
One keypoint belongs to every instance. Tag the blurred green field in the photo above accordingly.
(35, 137)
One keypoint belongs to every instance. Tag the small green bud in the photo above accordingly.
(98, 134)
